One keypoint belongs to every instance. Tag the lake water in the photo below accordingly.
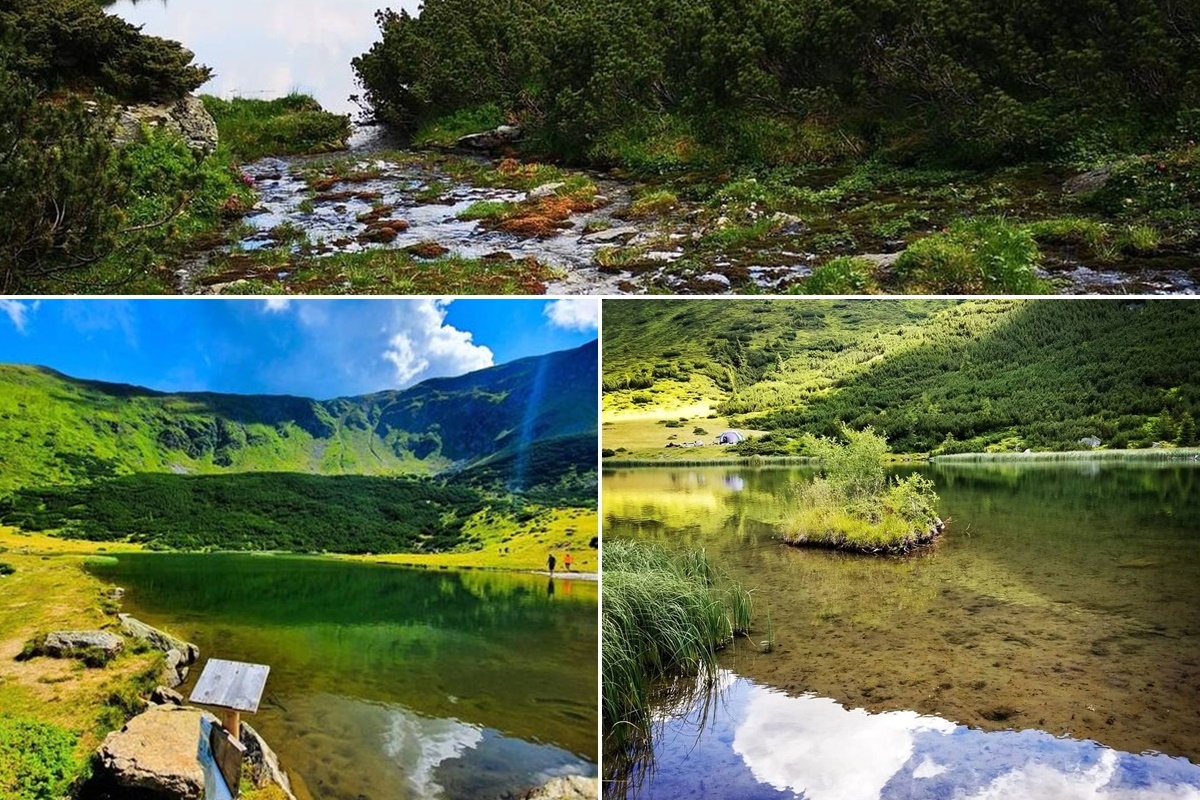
(1063, 599)
(267, 48)
(387, 682)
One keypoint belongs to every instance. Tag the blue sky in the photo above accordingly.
(312, 348)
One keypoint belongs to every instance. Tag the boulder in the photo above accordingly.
(186, 117)
(568, 787)
(1088, 182)
(154, 755)
(179, 654)
(490, 140)
(162, 696)
(609, 235)
(65, 643)
(545, 190)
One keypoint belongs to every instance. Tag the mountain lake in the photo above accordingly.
(1047, 646)
(388, 682)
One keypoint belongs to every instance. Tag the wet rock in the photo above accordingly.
(894, 246)
(546, 190)
(610, 235)
(1088, 182)
(569, 787)
(62, 644)
(154, 754)
(715, 279)
(187, 118)
(490, 140)
(880, 259)
(261, 764)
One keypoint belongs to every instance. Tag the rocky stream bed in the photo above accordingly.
(374, 198)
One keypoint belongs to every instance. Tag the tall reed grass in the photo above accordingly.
(665, 616)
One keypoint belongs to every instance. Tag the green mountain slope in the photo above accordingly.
(932, 375)
(59, 430)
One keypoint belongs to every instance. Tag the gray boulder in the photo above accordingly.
(1088, 182)
(179, 655)
(154, 753)
(609, 235)
(545, 190)
(162, 696)
(187, 117)
(490, 140)
(62, 644)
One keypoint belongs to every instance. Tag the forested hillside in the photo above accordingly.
(55, 429)
(938, 376)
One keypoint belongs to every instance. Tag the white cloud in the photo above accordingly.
(422, 346)
(574, 314)
(18, 312)
(276, 305)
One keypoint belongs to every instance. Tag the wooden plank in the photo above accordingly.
(231, 684)
(229, 754)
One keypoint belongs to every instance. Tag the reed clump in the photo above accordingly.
(665, 616)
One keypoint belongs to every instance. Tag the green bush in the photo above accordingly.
(292, 125)
(59, 186)
(74, 44)
(656, 86)
(6, 569)
(37, 760)
(985, 254)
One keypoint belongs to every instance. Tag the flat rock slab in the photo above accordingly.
(159, 640)
(64, 643)
(155, 753)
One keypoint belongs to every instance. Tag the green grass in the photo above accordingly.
(653, 203)
(665, 615)
(981, 255)
(376, 271)
(486, 209)
(845, 275)
(292, 125)
(445, 131)
(37, 759)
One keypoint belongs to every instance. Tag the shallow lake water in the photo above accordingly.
(1063, 599)
(267, 48)
(387, 682)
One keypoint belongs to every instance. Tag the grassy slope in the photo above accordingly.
(502, 542)
(1031, 374)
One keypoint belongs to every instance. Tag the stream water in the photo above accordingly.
(1064, 601)
(387, 682)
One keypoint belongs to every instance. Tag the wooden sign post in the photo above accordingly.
(233, 687)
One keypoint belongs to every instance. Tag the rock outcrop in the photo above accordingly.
(490, 140)
(569, 787)
(179, 655)
(154, 755)
(186, 117)
(63, 644)
(262, 765)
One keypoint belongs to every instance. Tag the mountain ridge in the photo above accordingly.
(56, 428)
